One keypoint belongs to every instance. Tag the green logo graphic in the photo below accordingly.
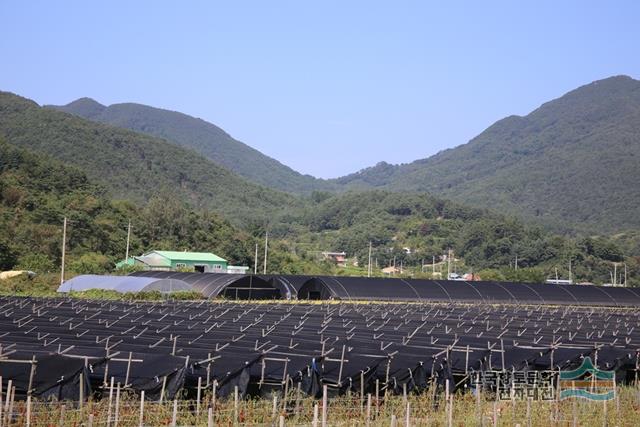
(587, 382)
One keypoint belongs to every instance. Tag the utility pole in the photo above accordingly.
(570, 273)
(369, 264)
(126, 255)
(625, 274)
(615, 273)
(255, 261)
(516, 262)
(449, 264)
(64, 248)
(266, 249)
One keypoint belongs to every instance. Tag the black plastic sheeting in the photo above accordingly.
(262, 347)
(396, 289)
(234, 286)
(54, 376)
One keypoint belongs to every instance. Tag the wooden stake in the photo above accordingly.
(141, 420)
(198, 396)
(235, 404)
(315, 416)
(450, 417)
(126, 378)
(275, 406)
(174, 417)
(298, 396)
(90, 422)
(407, 421)
(115, 423)
(164, 386)
(495, 414)
(324, 406)
(368, 409)
(28, 421)
(81, 400)
(394, 421)
(361, 391)
(61, 422)
(110, 401)
(210, 417)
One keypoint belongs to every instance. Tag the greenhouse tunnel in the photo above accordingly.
(214, 285)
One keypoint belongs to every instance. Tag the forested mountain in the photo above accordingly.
(573, 163)
(137, 167)
(205, 138)
(37, 192)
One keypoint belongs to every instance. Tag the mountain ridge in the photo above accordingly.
(536, 165)
(201, 136)
(132, 165)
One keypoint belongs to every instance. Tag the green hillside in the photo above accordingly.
(572, 163)
(201, 136)
(135, 166)
(37, 192)
(414, 228)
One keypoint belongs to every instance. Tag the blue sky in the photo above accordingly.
(326, 87)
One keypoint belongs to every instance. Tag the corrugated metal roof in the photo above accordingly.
(190, 256)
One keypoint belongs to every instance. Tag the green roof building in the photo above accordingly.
(204, 262)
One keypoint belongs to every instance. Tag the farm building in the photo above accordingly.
(201, 262)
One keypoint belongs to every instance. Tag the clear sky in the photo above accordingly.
(326, 87)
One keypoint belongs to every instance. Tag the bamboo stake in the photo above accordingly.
(141, 421)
